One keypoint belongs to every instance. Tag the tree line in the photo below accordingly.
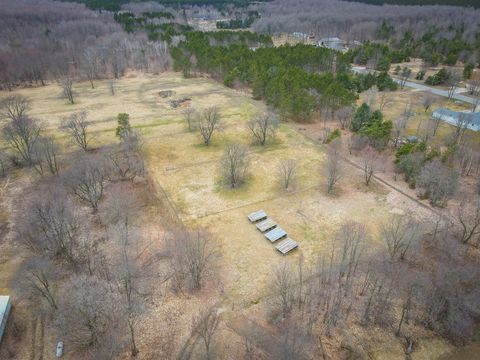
(116, 5)
(55, 42)
(359, 21)
(466, 3)
(239, 23)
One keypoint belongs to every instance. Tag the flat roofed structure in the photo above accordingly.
(275, 234)
(4, 311)
(266, 225)
(286, 246)
(257, 216)
(458, 118)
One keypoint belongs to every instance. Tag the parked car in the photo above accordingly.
(59, 352)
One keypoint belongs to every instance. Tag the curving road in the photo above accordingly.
(421, 87)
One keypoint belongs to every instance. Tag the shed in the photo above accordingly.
(266, 225)
(5, 307)
(286, 246)
(257, 216)
(455, 117)
(275, 234)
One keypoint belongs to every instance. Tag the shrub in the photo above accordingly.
(333, 135)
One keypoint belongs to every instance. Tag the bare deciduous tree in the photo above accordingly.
(205, 326)
(287, 171)
(398, 125)
(453, 80)
(468, 220)
(22, 134)
(4, 163)
(126, 159)
(428, 101)
(208, 122)
(189, 118)
(468, 159)
(263, 127)
(437, 182)
(51, 226)
(404, 76)
(45, 153)
(408, 111)
(76, 125)
(66, 83)
(14, 107)
(133, 262)
(112, 86)
(283, 288)
(86, 179)
(91, 63)
(385, 99)
(473, 84)
(400, 233)
(292, 344)
(339, 275)
(333, 168)
(192, 258)
(88, 313)
(371, 95)
(344, 116)
(38, 283)
(462, 122)
(234, 165)
(372, 162)
(435, 124)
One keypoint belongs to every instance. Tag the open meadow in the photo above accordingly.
(187, 174)
(188, 171)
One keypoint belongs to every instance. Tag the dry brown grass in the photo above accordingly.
(188, 172)
(415, 64)
(418, 124)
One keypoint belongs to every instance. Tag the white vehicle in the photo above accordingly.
(59, 352)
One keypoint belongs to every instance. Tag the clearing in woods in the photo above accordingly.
(188, 173)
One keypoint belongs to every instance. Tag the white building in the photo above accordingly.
(4, 311)
(333, 43)
(456, 117)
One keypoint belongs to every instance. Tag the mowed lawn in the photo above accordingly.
(188, 171)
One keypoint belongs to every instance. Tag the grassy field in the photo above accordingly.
(419, 123)
(188, 172)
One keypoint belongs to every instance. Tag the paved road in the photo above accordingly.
(413, 85)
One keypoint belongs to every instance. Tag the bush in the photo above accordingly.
(439, 78)
(468, 71)
(420, 75)
(333, 135)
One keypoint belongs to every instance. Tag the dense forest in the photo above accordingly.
(118, 257)
(283, 76)
(436, 46)
(115, 5)
(359, 21)
(473, 3)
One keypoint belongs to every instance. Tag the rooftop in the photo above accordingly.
(451, 117)
(4, 300)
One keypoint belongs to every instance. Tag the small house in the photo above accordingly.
(300, 35)
(456, 117)
(5, 307)
(333, 43)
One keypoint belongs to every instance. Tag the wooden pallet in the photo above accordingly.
(286, 246)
